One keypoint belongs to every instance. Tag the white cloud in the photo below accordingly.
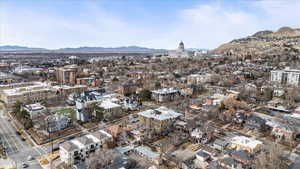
(203, 26)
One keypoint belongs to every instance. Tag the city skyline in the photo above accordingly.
(155, 24)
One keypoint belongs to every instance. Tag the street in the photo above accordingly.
(16, 149)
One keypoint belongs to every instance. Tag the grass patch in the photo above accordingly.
(69, 112)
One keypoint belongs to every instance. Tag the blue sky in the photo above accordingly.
(156, 23)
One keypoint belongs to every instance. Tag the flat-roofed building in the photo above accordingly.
(28, 93)
(67, 75)
(35, 110)
(246, 143)
(159, 120)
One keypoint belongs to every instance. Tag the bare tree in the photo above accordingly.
(100, 159)
(271, 160)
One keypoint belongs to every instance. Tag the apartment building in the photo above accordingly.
(67, 75)
(129, 88)
(286, 77)
(78, 149)
(159, 120)
(165, 94)
(28, 93)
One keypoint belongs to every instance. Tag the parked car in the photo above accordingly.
(24, 165)
(30, 158)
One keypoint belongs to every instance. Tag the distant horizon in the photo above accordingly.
(205, 24)
(112, 47)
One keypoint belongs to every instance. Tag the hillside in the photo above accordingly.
(284, 44)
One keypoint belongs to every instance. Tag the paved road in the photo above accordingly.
(17, 149)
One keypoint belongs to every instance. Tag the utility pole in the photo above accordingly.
(49, 134)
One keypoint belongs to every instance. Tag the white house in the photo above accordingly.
(35, 110)
(78, 149)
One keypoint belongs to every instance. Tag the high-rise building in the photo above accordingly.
(67, 75)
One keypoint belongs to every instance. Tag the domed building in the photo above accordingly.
(181, 46)
(180, 52)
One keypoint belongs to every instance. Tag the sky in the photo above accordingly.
(205, 24)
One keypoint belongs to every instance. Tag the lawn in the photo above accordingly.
(68, 112)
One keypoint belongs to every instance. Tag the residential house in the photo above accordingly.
(35, 110)
(84, 100)
(78, 149)
(148, 153)
(246, 143)
(141, 75)
(159, 120)
(57, 122)
(220, 144)
(283, 131)
(129, 88)
(131, 104)
(230, 163)
(202, 156)
(110, 109)
(165, 94)
(255, 122)
(243, 157)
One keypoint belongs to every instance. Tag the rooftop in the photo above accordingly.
(34, 107)
(246, 141)
(147, 152)
(161, 113)
(107, 104)
(165, 91)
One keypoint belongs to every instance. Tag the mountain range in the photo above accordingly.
(83, 49)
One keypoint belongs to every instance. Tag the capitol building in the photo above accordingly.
(180, 52)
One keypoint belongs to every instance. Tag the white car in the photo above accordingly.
(30, 158)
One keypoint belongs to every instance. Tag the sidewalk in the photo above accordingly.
(15, 123)
(7, 164)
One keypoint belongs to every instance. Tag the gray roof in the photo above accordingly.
(221, 142)
(161, 113)
(85, 140)
(202, 154)
(147, 152)
(241, 154)
(69, 146)
(100, 135)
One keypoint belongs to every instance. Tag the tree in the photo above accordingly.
(96, 111)
(233, 104)
(17, 108)
(100, 159)
(145, 95)
(272, 159)
(157, 85)
(268, 94)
